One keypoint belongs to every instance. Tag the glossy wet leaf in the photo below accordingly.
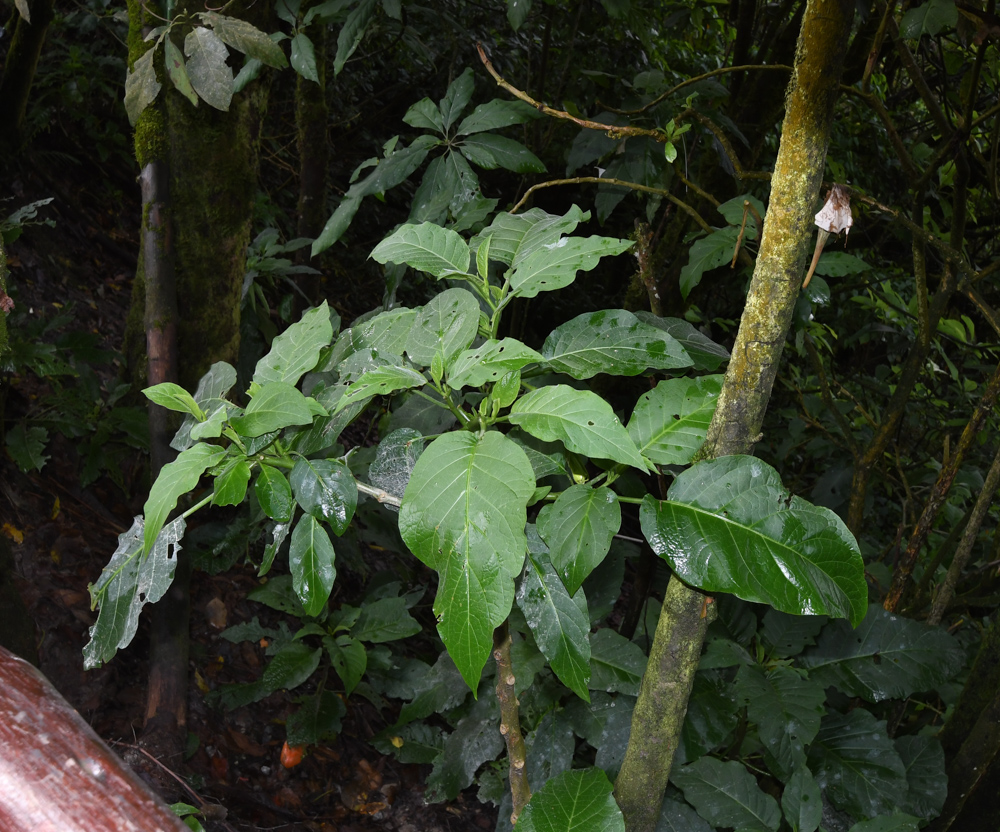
(426, 247)
(385, 332)
(726, 794)
(555, 265)
(670, 422)
(802, 801)
(857, 765)
(515, 237)
(704, 352)
(578, 528)
(326, 489)
(231, 483)
(276, 405)
(444, 327)
(349, 659)
(463, 514)
(886, 657)
(490, 362)
(574, 801)
(311, 561)
(560, 624)
(616, 664)
(730, 526)
(580, 419)
(611, 341)
(295, 351)
(274, 494)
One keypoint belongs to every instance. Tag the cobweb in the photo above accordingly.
(394, 460)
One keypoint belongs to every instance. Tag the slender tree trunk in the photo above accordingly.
(738, 418)
(19, 71)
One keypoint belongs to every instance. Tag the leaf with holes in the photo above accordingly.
(444, 327)
(426, 247)
(490, 362)
(578, 528)
(555, 265)
(670, 422)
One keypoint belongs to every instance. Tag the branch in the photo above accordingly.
(510, 726)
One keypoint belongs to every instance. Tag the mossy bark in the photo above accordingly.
(738, 418)
(19, 71)
(4, 342)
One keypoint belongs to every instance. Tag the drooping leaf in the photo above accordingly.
(670, 422)
(380, 382)
(444, 327)
(276, 405)
(310, 559)
(574, 801)
(580, 419)
(725, 794)
(611, 341)
(463, 514)
(295, 351)
(385, 333)
(706, 254)
(177, 71)
(141, 86)
(496, 114)
(489, 151)
(326, 489)
(733, 211)
(304, 57)
(246, 38)
(857, 765)
(559, 624)
(616, 664)
(210, 75)
(923, 759)
(427, 247)
(352, 32)
(802, 802)
(578, 528)
(517, 11)
(703, 351)
(886, 657)
(730, 526)
(515, 237)
(839, 263)
(555, 266)
(490, 362)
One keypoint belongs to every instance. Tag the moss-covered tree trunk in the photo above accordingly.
(19, 71)
(666, 685)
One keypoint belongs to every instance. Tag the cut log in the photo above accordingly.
(56, 775)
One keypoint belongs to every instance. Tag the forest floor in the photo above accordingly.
(63, 534)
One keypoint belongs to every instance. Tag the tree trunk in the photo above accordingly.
(738, 418)
(19, 71)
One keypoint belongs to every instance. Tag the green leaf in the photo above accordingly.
(292, 665)
(496, 114)
(25, 446)
(427, 247)
(515, 237)
(923, 758)
(704, 352)
(574, 801)
(670, 422)
(246, 38)
(706, 254)
(386, 619)
(725, 794)
(174, 397)
(380, 382)
(352, 32)
(555, 267)
(415, 743)
(141, 86)
(616, 664)
(676, 816)
(802, 802)
(444, 327)
(210, 76)
(424, 115)
(349, 659)
(131, 580)
(231, 483)
(279, 533)
(463, 514)
(787, 708)
(277, 405)
(279, 594)
(788, 635)
(310, 559)
(838, 264)
(578, 528)
(295, 351)
(886, 657)
(517, 12)
(711, 717)
(457, 97)
(385, 333)
(888, 823)
(928, 19)
(580, 419)
(274, 494)
(560, 624)
(733, 210)
(857, 765)
(490, 151)
(490, 362)
(176, 478)
(208, 396)
(474, 741)
(610, 341)
(550, 748)
(317, 719)
(325, 489)
(174, 60)
(730, 526)
(304, 57)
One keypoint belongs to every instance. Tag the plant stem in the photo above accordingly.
(510, 725)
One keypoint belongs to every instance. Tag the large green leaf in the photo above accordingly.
(490, 362)
(706, 254)
(444, 327)
(578, 528)
(560, 624)
(857, 765)
(325, 489)
(211, 388)
(555, 266)
(352, 32)
(496, 114)
(385, 332)
(296, 350)
(474, 741)
(712, 715)
(580, 419)
(574, 801)
(276, 405)
(457, 97)
(176, 478)
(131, 580)
(802, 801)
(670, 422)
(246, 38)
(274, 494)
(725, 794)
(514, 237)
(616, 664)
(463, 514)
(385, 619)
(788, 635)
(424, 115)
(787, 708)
(490, 151)
(310, 558)
(210, 75)
(923, 758)
(349, 659)
(141, 86)
(611, 341)
(380, 382)
(928, 19)
(427, 247)
(730, 526)
(704, 352)
(887, 657)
